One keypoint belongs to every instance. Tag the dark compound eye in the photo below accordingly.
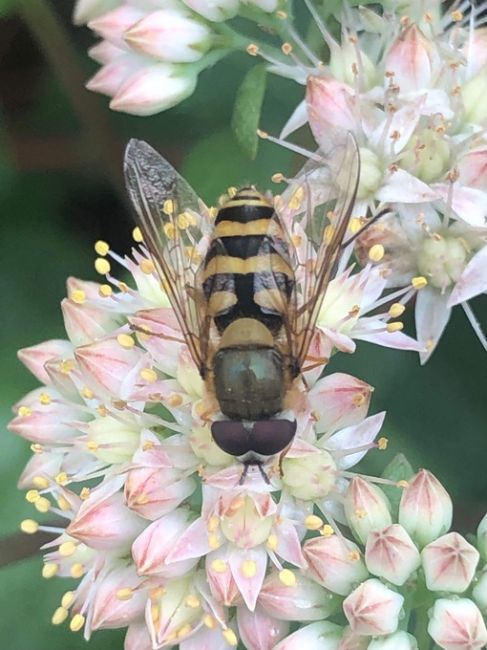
(269, 437)
(231, 436)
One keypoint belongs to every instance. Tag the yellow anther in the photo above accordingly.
(382, 443)
(287, 577)
(85, 493)
(42, 505)
(354, 225)
(101, 248)
(272, 542)
(41, 482)
(123, 287)
(168, 206)
(29, 526)
(63, 504)
(174, 399)
(184, 630)
(286, 48)
(87, 393)
(125, 593)
(147, 267)
(77, 570)
(252, 49)
(148, 375)
(193, 601)
(327, 531)
(49, 570)
(396, 310)
(209, 621)
(102, 266)
(155, 612)
(328, 233)
(360, 513)
(376, 253)
(170, 230)
(419, 282)
(220, 566)
(354, 556)
(296, 200)
(313, 522)
(262, 134)
(230, 637)
(59, 616)
(137, 235)
(126, 341)
(213, 524)
(36, 448)
(67, 599)
(91, 445)
(248, 568)
(67, 548)
(182, 221)
(142, 499)
(156, 593)
(24, 411)
(77, 623)
(214, 541)
(78, 296)
(278, 177)
(62, 478)
(296, 240)
(456, 16)
(148, 444)
(66, 366)
(282, 15)
(45, 399)
(396, 326)
(32, 496)
(105, 290)
(402, 484)
(358, 399)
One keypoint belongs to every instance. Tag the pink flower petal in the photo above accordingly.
(248, 568)
(472, 281)
(258, 630)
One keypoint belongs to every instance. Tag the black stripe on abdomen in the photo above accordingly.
(244, 213)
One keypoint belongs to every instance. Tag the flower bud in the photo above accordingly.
(85, 322)
(220, 579)
(413, 60)
(258, 630)
(309, 476)
(330, 105)
(426, 509)
(155, 88)
(482, 537)
(243, 525)
(36, 356)
(442, 260)
(103, 521)
(322, 635)
(457, 624)
(169, 35)
(373, 609)
(449, 563)
(397, 641)
(153, 546)
(174, 613)
(112, 441)
(473, 94)
(111, 611)
(391, 554)
(153, 492)
(335, 563)
(112, 25)
(295, 599)
(366, 508)
(216, 10)
(348, 63)
(479, 592)
(427, 155)
(86, 10)
(137, 637)
(371, 173)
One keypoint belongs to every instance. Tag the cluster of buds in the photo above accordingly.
(151, 52)
(153, 520)
(407, 84)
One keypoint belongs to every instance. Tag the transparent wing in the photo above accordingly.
(176, 227)
(314, 213)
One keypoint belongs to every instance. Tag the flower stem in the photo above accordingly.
(50, 34)
(421, 629)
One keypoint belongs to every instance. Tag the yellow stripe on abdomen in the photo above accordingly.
(255, 264)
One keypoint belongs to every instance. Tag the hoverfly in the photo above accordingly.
(247, 286)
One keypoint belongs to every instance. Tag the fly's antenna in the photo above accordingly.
(263, 474)
(245, 471)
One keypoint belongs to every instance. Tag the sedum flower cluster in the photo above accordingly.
(153, 519)
(152, 50)
(408, 83)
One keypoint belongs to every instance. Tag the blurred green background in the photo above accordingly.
(60, 190)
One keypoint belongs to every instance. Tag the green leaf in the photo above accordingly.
(6, 6)
(247, 109)
(399, 469)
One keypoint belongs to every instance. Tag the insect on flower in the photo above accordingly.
(247, 287)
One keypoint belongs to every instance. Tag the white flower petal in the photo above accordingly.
(432, 314)
(298, 119)
(402, 187)
(473, 279)
(355, 436)
(469, 203)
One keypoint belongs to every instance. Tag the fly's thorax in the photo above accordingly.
(248, 372)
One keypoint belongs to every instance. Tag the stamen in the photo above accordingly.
(102, 266)
(102, 248)
(287, 577)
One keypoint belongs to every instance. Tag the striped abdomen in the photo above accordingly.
(245, 276)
